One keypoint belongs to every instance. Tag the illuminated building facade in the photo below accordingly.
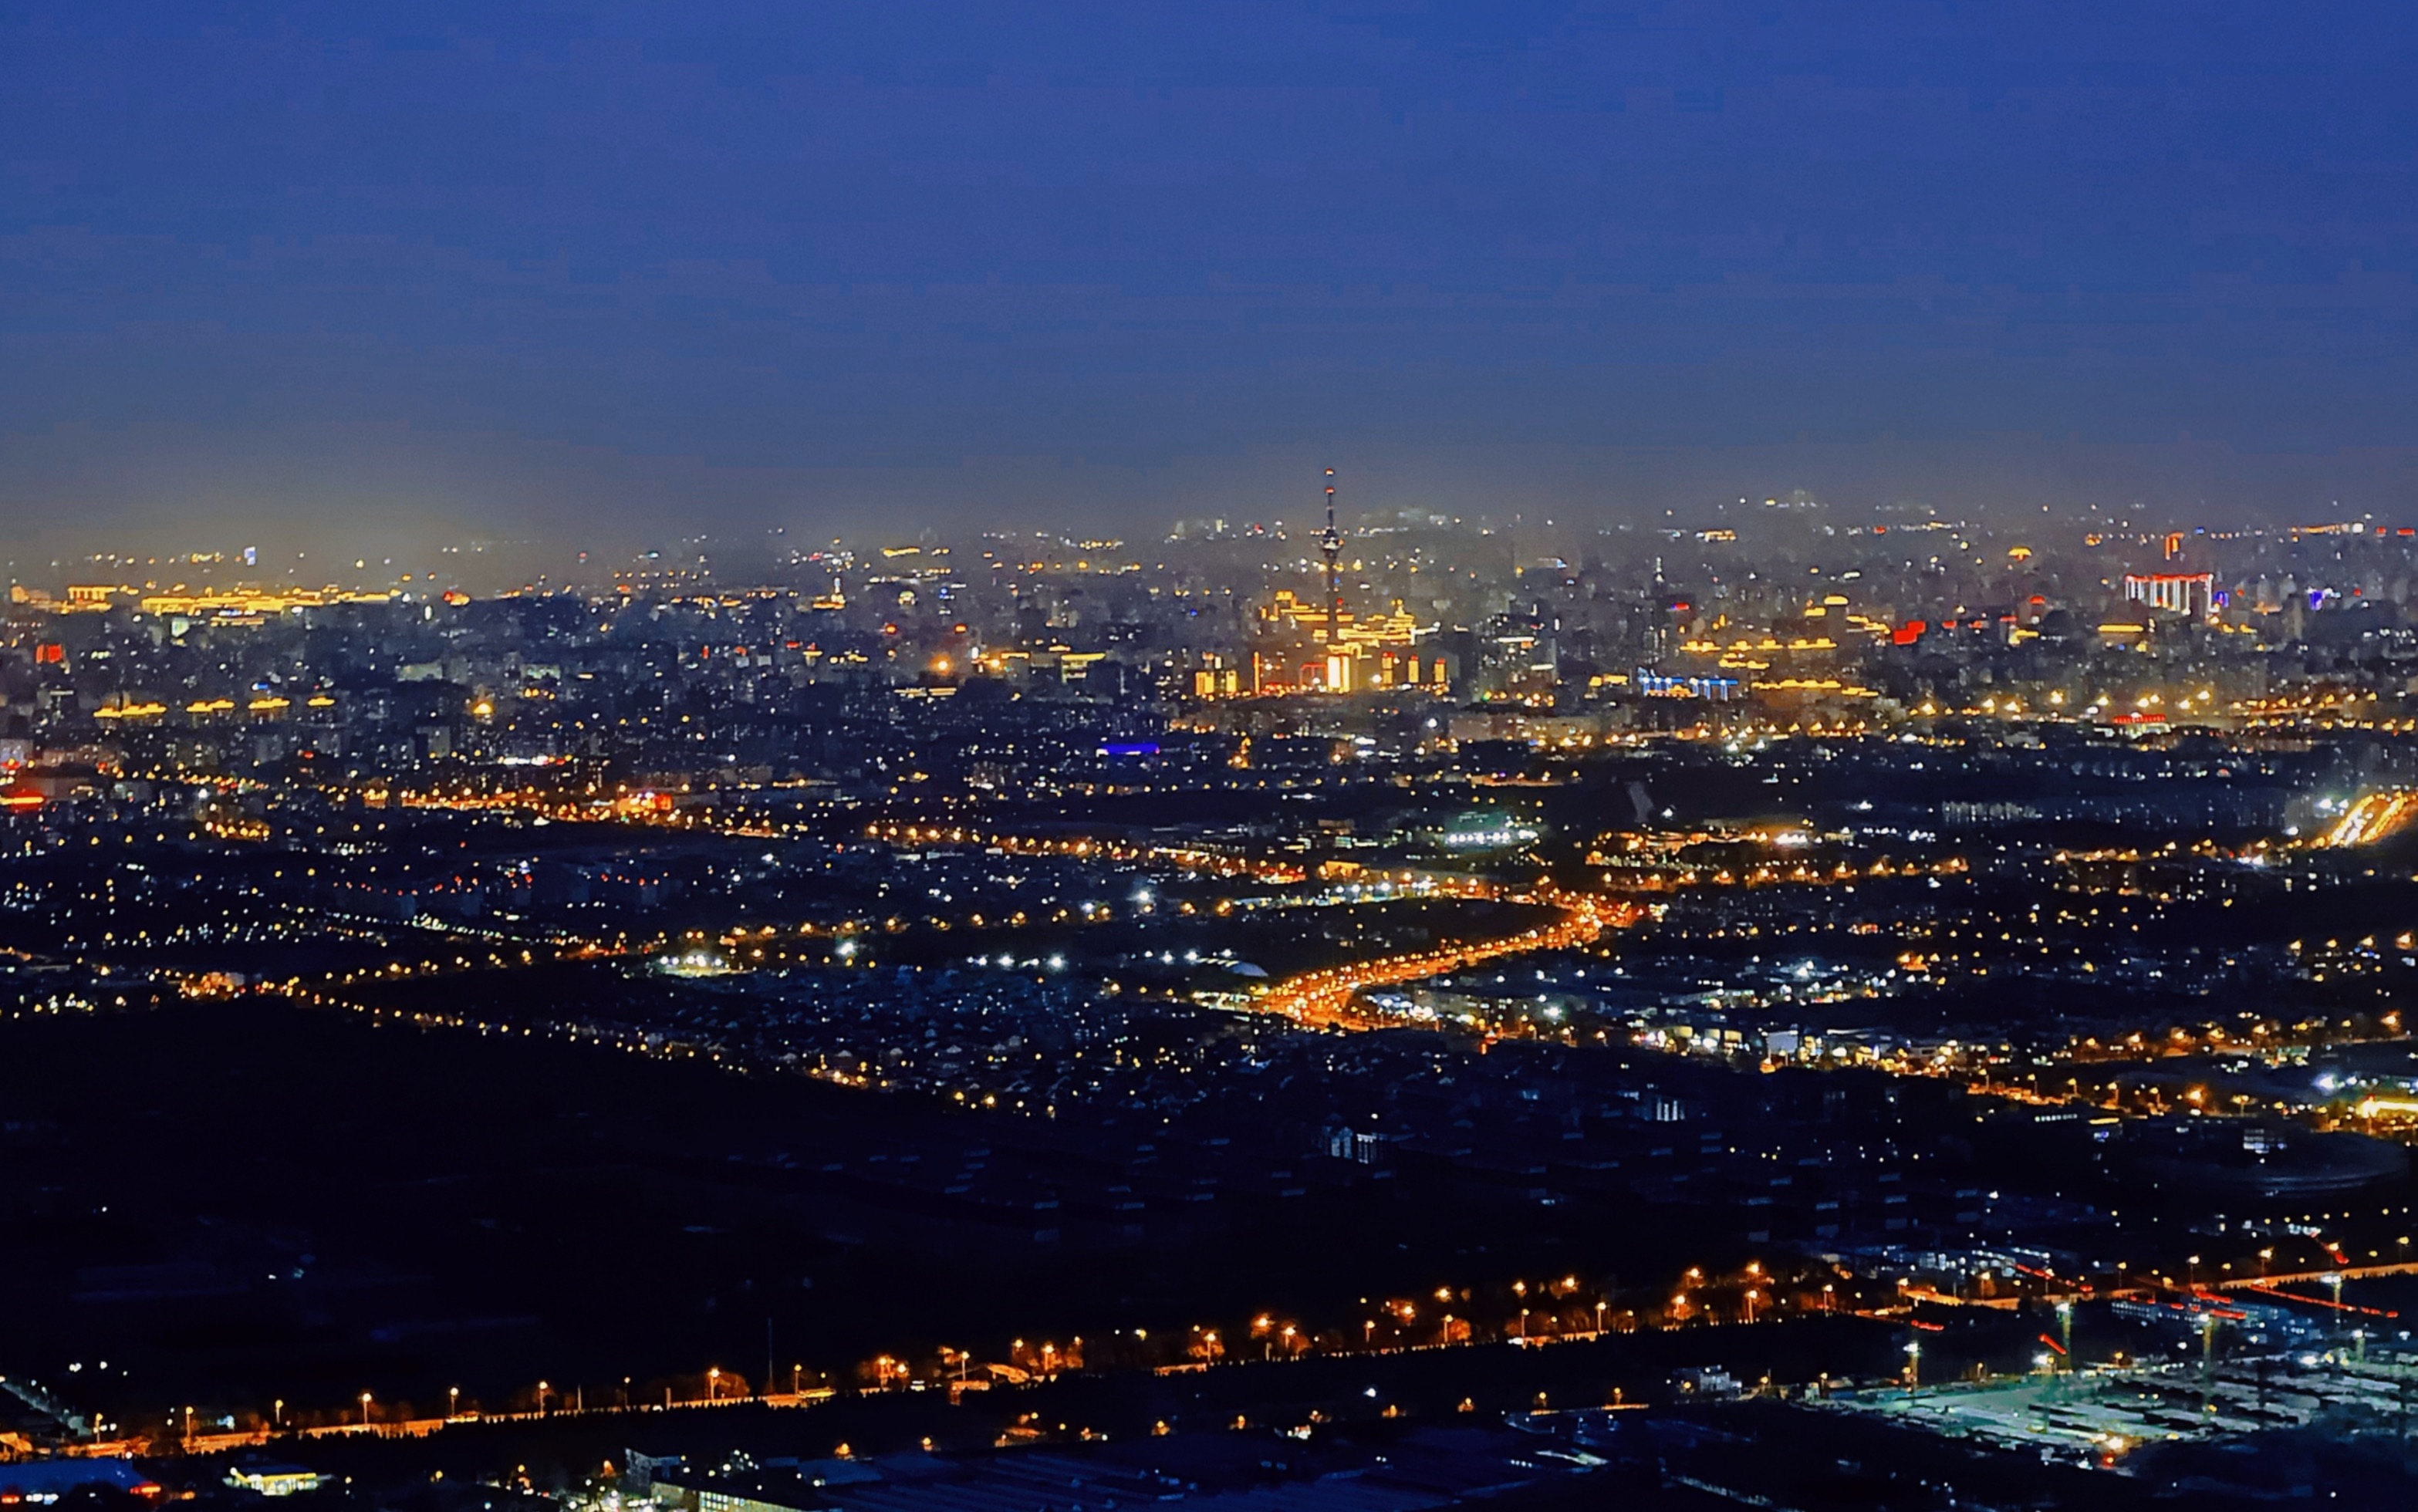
(2184, 593)
(1325, 648)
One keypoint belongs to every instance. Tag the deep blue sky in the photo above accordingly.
(631, 269)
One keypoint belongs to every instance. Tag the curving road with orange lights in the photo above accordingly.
(1329, 998)
(2375, 817)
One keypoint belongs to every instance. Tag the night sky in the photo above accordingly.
(630, 272)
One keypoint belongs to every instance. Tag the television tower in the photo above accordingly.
(1330, 545)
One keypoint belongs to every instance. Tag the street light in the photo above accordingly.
(365, 1409)
(713, 1383)
(452, 1401)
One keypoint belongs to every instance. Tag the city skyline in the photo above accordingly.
(1332, 755)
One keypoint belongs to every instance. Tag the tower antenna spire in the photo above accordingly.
(1330, 545)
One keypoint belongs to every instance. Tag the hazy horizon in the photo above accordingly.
(575, 273)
